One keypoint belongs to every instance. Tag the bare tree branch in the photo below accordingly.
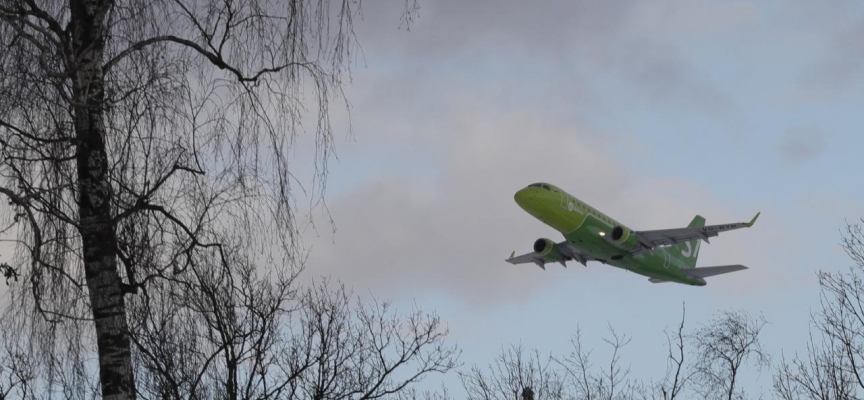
(132, 165)
(722, 348)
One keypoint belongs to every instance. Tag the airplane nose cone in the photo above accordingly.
(521, 197)
(524, 196)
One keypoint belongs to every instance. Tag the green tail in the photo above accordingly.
(688, 252)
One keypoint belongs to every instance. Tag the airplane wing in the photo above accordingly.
(568, 251)
(665, 237)
(704, 272)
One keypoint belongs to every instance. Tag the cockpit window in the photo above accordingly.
(540, 185)
(546, 187)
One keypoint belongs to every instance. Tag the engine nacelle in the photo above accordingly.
(622, 238)
(547, 249)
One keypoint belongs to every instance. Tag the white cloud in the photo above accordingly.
(397, 233)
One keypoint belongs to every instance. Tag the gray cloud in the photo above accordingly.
(802, 144)
(621, 40)
(399, 234)
(838, 68)
(828, 58)
(449, 89)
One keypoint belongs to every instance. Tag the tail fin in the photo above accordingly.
(689, 251)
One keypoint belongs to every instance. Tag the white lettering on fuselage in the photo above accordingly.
(572, 205)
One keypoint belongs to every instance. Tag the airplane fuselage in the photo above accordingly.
(587, 229)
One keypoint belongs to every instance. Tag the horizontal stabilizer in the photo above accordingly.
(705, 272)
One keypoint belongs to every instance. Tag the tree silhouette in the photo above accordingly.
(142, 139)
(834, 363)
(722, 348)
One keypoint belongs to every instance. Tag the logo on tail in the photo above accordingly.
(688, 251)
(692, 250)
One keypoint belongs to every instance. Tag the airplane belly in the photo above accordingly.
(587, 237)
(658, 265)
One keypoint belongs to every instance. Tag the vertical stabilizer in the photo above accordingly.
(688, 252)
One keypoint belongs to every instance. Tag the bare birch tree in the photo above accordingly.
(679, 371)
(610, 382)
(834, 363)
(254, 336)
(571, 376)
(724, 346)
(705, 363)
(139, 139)
(260, 337)
(819, 376)
(514, 370)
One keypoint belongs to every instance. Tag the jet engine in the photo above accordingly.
(547, 249)
(622, 238)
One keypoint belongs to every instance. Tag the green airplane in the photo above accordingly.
(667, 255)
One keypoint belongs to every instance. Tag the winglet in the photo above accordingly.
(753, 221)
(513, 254)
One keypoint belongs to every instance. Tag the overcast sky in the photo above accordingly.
(651, 111)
